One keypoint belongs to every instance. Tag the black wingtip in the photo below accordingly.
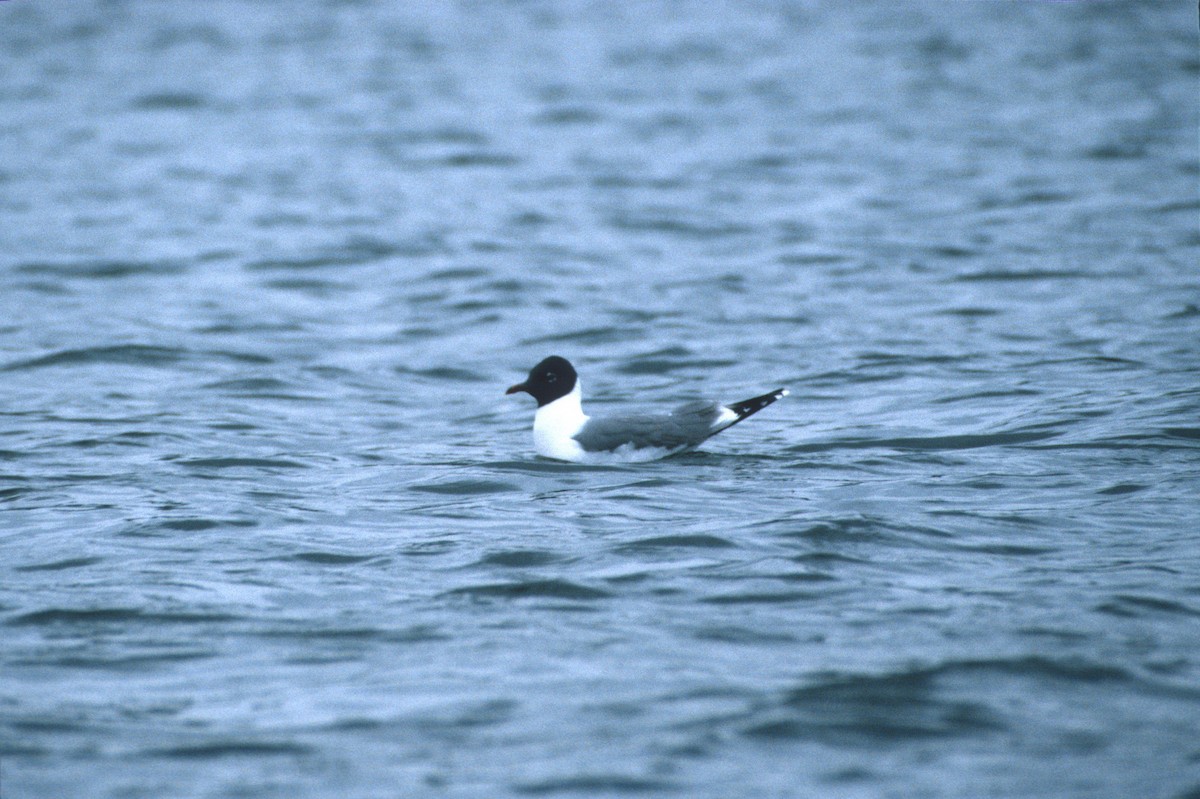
(749, 407)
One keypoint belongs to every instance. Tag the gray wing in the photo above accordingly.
(686, 426)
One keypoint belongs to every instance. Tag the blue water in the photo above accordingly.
(269, 526)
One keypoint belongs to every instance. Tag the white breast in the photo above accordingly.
(555, 423)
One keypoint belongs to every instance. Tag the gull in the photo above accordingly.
(562, 431)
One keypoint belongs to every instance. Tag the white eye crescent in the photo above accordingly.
(551, 377)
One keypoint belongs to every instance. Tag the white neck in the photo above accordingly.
(556, 422)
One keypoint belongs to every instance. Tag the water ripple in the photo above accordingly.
(546, 589)
(914, 703)
(242, 463)
(101, 270)
(115, 615)
(676, 542)
(59, 565)
(330, 558)
(952, 442)
(520, 558)
(130, 354)
(224, 748)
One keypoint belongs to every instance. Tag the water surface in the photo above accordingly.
(269, 526)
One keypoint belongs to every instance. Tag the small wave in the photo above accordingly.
(101, 270)
(14, 749)
(242, 463)
(919, 703)
(259, 390)
(1102, 361)
(732, 634)
(59, 565)
(1137, 606)
(519, 558)
(769, 165)
(484, 714)
(1009, 275)
(596, 785)
(442, 135)
(356, 252)
(475, 159)
(51, 724)
(956, 442)
(699, 541)
(855, 528)
(247, 326)
(130, 354)
(662, 366)
(1174, 206)
(241, 357)
(677, 223)
(550, 589)
(931, 719)
(329, 558)
(673, 55)
(127, 354)
(456, 274)
(465, 488)
(590, 335)
(1188, 311)
(73, 616)
(223, 749)
(65, 616)
(970, 312)
(1117, 150)
(993, 394)
(883, 709)
(826, 558)
(812, 259)
(183, 524)
(952, 251)
(447, 373)
(1122, 488)
(563, 116)
(1006, 550)
(118, 662)
(253, 384)
(1027, 198)
(170, 101)
(317, 288)
(195, 524)
(305, 632)
(876, 357)
(763, 598)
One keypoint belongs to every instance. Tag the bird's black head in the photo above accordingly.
(552, 378)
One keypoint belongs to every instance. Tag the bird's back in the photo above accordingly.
(686, 426)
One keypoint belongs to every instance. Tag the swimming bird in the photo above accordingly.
(562, 431)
